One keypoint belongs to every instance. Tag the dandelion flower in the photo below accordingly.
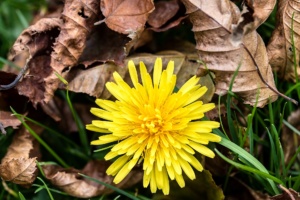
(152, 124)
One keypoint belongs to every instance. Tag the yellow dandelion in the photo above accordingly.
(151, 123)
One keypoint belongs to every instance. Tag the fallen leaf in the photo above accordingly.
(290, 140)
(37, 40)
(75, 185)
(288, 194)
(8, 120)
(126, 16)
(19, 163)
(92, 81)
(280, 49)
(202, 188)
(223, 53)
(104, 45)
(164, 11)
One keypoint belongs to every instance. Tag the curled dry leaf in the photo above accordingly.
(126, 16)
(223, 54)
(280, 47)
(75, 185)
(19, 163)
(290, 140)
(92, 81)
(54, 45)
(37, 40)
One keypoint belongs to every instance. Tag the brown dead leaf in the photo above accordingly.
(288, 194)
(290, 140)
(164, 11)
(280, 50)
(255, 12)
(126, 16)
(92, 81)
(104, 45)
(75, 185)
(37, 40)
(54, 45)
(223, 54)
(19, 163)
(8, 120)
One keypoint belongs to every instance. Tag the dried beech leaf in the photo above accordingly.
(290, 140)
(280, 50)
(19, 163)
(8, 120)
(212, 24)
(92, 81)
(75, 185)
(126, 16)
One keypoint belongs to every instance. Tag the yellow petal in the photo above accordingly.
(117, 165)
(133, 73)
(202, 149)
(157, 71)
(122, 173)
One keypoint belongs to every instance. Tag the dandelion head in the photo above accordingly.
(151, 124)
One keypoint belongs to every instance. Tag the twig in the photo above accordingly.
(18, 78)
(263, 80)
(286, 191)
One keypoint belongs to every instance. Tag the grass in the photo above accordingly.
(257, 156)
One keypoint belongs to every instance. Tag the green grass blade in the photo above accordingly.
(247, 156)
(21, 196)
(46, 187)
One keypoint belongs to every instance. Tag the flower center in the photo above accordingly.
(152, 122)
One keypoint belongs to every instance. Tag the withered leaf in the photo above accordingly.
(290, 140)
(126, 16)
(8, 120)
(75, 185)
(280, 49)
(212, 24)
(104, 45)
(164, 11)
(79, 18)
(288, 194)
(92, 81)
(37, 40)
(19, 163)
(255, 12)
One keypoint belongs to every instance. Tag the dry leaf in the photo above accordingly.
(8, 120)
(54, 45)
(222, 53)
(126, 16)
(19, 163)
(280, 50)
(288, 194)
(75, 185)
(255, 12)
(104, 45)
(92, 81)
(290, 140)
